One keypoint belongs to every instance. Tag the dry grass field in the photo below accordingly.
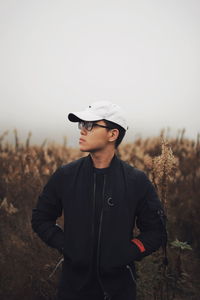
(26, 263)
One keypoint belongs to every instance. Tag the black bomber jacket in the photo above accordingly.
(129, 198)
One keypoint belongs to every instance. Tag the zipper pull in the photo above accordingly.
(106, 296)
(131, 272)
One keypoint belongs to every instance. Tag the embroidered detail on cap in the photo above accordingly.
(139, 244)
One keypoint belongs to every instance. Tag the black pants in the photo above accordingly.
(128, 293)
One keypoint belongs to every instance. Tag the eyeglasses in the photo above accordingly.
(89, 125)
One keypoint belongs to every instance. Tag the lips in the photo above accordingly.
(81, 140)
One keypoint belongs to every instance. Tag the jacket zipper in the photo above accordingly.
(106, 295)
(93, 214)
(131, 272)
(94, 191)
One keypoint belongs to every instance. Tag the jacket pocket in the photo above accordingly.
(131, 274)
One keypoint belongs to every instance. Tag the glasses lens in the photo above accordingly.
(80, 125)
(86, 125)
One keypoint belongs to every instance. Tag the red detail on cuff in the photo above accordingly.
(139, 244)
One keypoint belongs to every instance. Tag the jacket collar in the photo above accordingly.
(115, 176)
(115, 162)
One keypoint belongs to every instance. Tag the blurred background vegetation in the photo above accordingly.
(172, 164)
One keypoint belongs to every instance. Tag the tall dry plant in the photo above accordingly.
(163, 171)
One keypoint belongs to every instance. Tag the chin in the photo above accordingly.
(82, 149)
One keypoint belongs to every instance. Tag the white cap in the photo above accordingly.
(100, 110)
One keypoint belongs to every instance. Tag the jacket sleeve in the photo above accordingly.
(46, 212)
(151, 221)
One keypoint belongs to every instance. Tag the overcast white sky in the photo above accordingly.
(59, 56)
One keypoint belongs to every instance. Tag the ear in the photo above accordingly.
(113, 134)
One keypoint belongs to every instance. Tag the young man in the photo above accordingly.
(101, 198)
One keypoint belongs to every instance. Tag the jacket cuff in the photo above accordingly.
(140, 245)
(135, 252)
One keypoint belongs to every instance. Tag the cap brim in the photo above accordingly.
(83, 116)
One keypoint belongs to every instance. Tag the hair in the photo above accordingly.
(122, 131)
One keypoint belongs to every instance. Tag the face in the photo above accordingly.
(95, 140)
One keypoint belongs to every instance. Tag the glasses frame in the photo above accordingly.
(88, 125)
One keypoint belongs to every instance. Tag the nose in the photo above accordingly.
(83, 131)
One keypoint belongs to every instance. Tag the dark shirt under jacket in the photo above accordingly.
(93, 283)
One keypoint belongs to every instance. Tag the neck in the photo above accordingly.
(102, 159)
